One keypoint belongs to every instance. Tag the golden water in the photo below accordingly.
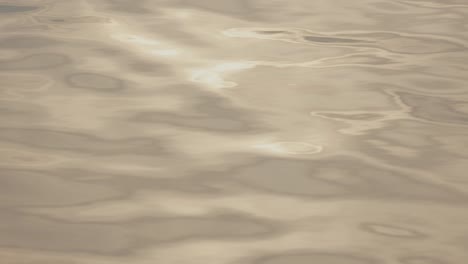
(233, 132)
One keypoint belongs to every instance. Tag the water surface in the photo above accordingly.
(229, 132)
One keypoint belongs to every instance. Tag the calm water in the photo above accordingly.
(233, 132)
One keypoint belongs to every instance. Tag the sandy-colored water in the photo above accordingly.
(233, 132)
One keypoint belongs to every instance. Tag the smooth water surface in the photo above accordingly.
(233, 132)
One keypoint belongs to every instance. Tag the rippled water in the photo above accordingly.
(234, 132)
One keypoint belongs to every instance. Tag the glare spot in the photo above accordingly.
(137, 39)
(182, 14)
(214, 77)
(165, 52)
(289, 147)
